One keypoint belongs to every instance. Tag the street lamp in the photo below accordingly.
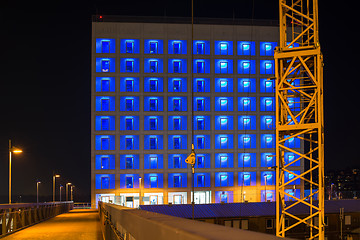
(66, 189)
(54, 178)
(37, 191)
(15, 150)
(61, 186)
(71, 192)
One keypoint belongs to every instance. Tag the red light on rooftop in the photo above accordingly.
(100, 16)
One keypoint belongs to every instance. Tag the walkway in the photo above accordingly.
(77, 224)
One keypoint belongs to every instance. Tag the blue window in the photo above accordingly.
(247, 160)
(129, 143)
(247, 104)
(177, 47)
(153, 66)
(200, 67)
(129, 85)
(247, 179)
(177, 181)
(177, 85)
(200, 161)
(105, 85)
(247, 141)
(153, 143)
(223, 197)
(246, 85)
(223, 67)
(153, 47)
(105, 104)
(105, 124)
(224, 48)
(200, 85)
(177, 142)
(267, 48)
(223, 180)
(105, 65)
(129, 162)
(267, 178)
(153, 182)
(153, 162)
(200, 103)
(129, 104)
(177, 104)
(224, 143)
(224, 123)
(129, 66)
(200, 48)
(105, 143)
(268, 160)
(224, 161)
(200, 122)
(129, 46)
(153, 85)
(105, 182)
(200, 142)
(129, 182)
(153, 104)
(223, 85)
(177, 123)
(153, 123)
(105, 46)
(246, 48)
(177, 162)
(246, 67)
(177, 66)
(224, 105)
(200, 180)
(129, 123)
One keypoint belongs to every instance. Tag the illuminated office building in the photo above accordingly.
(142, 105)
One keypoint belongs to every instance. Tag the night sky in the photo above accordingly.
(45, 82)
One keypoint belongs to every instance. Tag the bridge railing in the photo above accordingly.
(124, 223)
(14, 217)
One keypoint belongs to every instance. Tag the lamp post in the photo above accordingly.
(37, 191)
(71, 192)
(54, 178)
(15, 150)
(61, 186)
(140, 191)
(66, 189)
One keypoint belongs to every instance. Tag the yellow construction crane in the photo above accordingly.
(299, 116)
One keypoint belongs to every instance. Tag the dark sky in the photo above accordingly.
(45, 81)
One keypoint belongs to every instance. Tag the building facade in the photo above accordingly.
(148, 107)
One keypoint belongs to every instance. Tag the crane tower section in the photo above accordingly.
(299, 113)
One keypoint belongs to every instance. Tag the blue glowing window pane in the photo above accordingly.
(129, 103)
(153, 123)
(129, 47)
(200, 66)
(246, 84)
(268, 65)
(153, 104)
(129, 143)
(223, 180)
(153, 85)
(269, 123)
(177, 143)
(200, 180)
(153, 66)
(269, 86)
(129, 161)
(200, 85)
(200, 104)
(105, 124)
(246, 179)
(246, 47)
(153, 143)
(223, 198)
(291, 176)
(153, 47)
(104, 163)
(268, 139)
(153, 162)
(200, 162)
(268, 47)
(105, 104)
(223, 48)
(200, 123)
(269, 159)
(223, 85)
(200, 48)
(177, 104)
(129, 123)
(105, 46)
(177, 85)
(177, 47)
(246, 104)
(223, 67)
(177, 162)
(268, 102)
(224, 123)
(105, 65)
(246, 123)
(177, 123)
(129, 66)
(129, 182)
(105, 143)
(177, 181)
(200, 143)
(153, 182)
(291, 157)
(247, 142)
(246, 160)
(223, 161)
(105, 85)
(177, 66)
(129, 85)
(223, 104)
(223, 142)
(105, 182)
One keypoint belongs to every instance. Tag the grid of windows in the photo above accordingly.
(234, 97)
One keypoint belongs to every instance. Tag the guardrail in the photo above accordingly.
(124, 223)
(14, 217)
(82, 205)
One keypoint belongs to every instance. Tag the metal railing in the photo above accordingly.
(14, 217)
(124, 223)
(82, 205)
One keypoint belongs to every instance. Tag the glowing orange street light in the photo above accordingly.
(54, 178)
(15, 150)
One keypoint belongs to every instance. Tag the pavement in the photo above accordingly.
(75, 225)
